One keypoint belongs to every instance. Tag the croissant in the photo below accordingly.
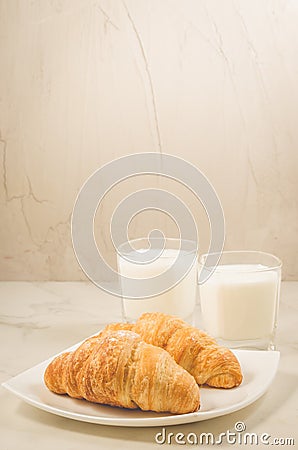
(119, 369)
(191, 348)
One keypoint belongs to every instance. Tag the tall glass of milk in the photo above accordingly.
(158, 276)
(239, 301)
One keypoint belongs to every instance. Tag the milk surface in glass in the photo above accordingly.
(179, 300)
(239, 302)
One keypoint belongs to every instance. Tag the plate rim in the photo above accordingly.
(173, 419)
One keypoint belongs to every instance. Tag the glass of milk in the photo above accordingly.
(158, 276)
(239, 301)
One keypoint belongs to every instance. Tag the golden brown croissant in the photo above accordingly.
(191, 348)
(119, 369)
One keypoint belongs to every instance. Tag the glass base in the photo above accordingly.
(190, 319)
(248, 344)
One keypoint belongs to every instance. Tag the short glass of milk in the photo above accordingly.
(158, 276)
(240, 299)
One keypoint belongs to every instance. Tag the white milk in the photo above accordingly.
(239, 303)
(179, 300)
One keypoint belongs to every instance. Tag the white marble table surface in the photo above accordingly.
(39, 319)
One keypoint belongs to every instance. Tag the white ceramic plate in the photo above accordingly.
(259, 368)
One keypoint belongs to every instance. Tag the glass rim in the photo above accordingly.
(275, 266)
(193, 250)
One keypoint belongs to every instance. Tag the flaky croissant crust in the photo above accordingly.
(118, 368)
(191, 348)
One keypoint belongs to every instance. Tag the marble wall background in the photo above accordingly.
(84, 81)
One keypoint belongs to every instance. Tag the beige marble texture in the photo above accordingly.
(85, 81)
